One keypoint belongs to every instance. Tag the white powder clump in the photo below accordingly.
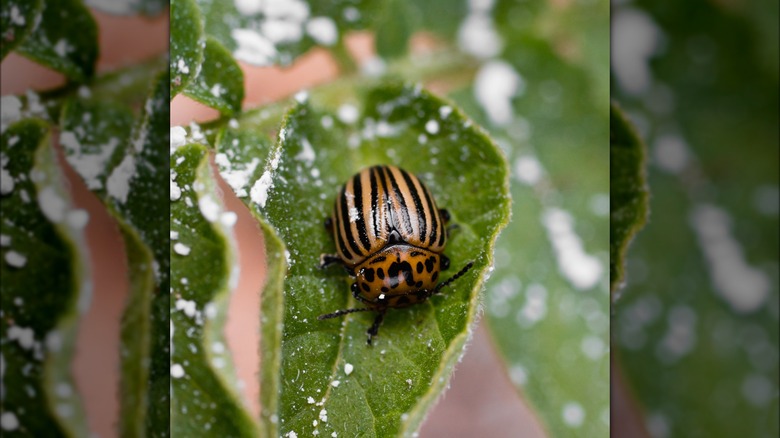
(15, 259)
(8, 421)
(323, 30)
(348, 113)
(209, 208)
(177, 371)
(178, 137)
(78, 218)
(496, 83)
(432, 126)
(25, 336)
(118, 183)
(10, 110)
(181, 249)
(259, 192)
(253, 48)
(52, 204)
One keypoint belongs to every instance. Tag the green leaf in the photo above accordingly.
(547, 302)
(204, 399)
(220, 83)
(394, 27)
(17, 19)
(145, 207)
(187, 44)
(43, 251)
(395, 382)
(628, 193)
(64, 40)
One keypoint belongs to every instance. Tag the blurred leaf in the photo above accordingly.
(17, 19)
(64, 40)
(220, 83)
(204, 391)
(628, 194)
(43, 251)
(394, 26)
(120, 160)
(696, 329)
(187, 44)
(547, 302)
(397, 380)
(129, 7)
(146, 209)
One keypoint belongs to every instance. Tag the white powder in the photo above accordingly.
(118, 183)
(52, 205)
(253, 48)
(323, 30)
(495, 85)
(182, 249)
(259, 192)
(15, 259)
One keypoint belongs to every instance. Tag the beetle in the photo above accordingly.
(390, 236)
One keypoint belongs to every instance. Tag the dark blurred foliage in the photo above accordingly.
(695, 329)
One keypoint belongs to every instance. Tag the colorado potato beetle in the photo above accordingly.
(390, 236)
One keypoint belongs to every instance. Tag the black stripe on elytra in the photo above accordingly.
(374, 200)
(434, 216)
(417, 204)
(340, 228)
(360, 222)
(400, 197)
(344, 224)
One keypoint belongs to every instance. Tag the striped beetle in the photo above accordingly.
(390, 235)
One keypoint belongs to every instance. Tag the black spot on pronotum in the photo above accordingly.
(380, 273)
(419, 284)
(435, 276)
(368, 274)
(429, 264)
(419, 267)
(402, 268)
(365, 287)
(384, 289)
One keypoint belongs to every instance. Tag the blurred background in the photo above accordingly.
(695, 326)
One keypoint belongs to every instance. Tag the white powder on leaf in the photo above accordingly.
(253, 47)
(323, 30)
(118, 183)
(15, 259)
(259, 192)
(52, 204)
(495, 85)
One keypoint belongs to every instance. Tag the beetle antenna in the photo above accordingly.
(342, 312)
(460, 273)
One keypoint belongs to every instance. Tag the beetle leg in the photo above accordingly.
(328, 259)
(328, 224)
(453, 278)
(342, 312)
(374, 329)
(356, 294)
(445, 214)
